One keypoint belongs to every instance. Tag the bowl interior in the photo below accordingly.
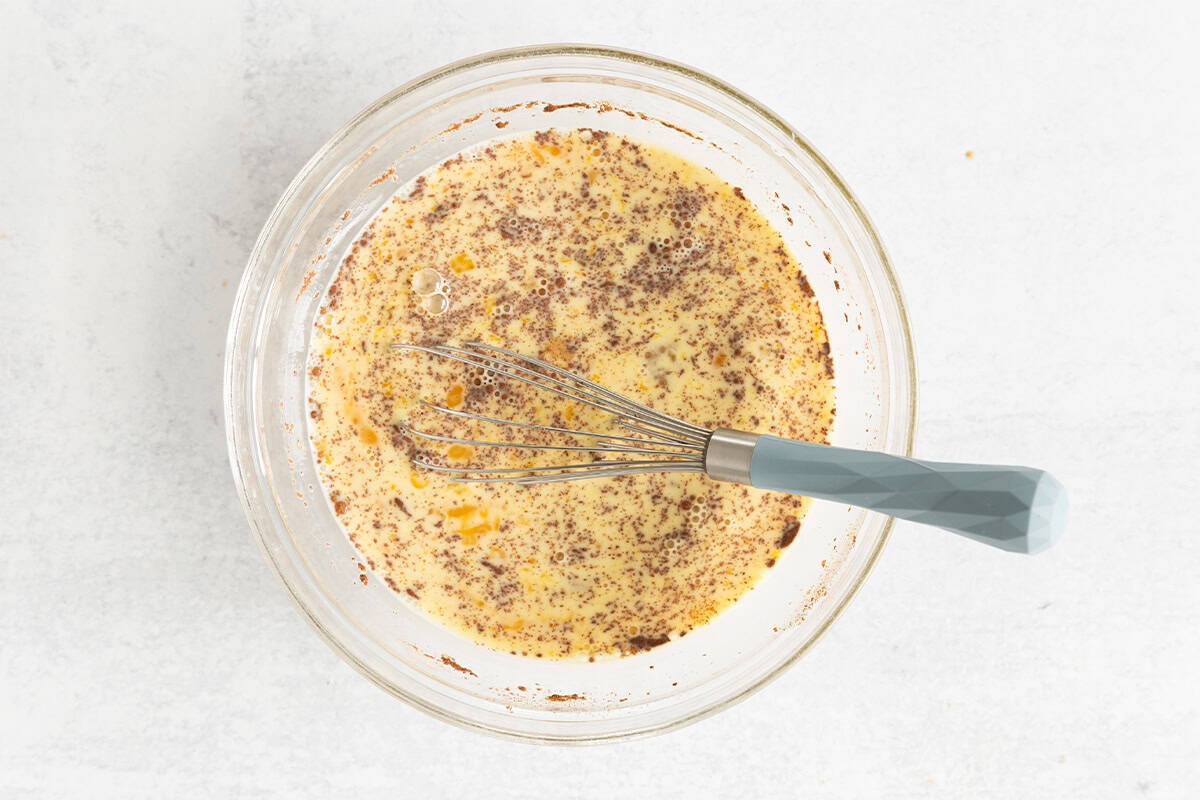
(297, 256)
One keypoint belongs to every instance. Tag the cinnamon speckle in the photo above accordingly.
(450, 662)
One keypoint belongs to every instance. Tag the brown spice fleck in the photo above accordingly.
(389, 172)
(642, 642)
(789, 534)
(450, 662)
(550, 107)
(805, 286)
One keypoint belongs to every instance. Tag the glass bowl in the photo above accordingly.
(337, 193)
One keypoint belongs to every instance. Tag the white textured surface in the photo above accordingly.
(145, 649)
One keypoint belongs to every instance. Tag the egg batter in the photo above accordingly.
(615, 259)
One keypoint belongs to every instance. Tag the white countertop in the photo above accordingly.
(1052, 279)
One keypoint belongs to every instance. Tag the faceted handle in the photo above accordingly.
(1019, 509)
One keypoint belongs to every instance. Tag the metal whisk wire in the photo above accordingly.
(1013, 508)
(668, 444)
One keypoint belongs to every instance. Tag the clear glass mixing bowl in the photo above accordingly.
(336, 194)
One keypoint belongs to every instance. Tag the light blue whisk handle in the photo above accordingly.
(1019, 509)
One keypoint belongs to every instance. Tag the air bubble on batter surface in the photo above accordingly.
(435, 304)
(427, 281)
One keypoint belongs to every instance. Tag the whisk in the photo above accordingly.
(1019, 509)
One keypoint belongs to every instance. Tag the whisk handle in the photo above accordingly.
(1018, 509)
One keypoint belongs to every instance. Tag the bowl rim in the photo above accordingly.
(234, 369)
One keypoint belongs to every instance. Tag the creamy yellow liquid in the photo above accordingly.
(618, 260)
